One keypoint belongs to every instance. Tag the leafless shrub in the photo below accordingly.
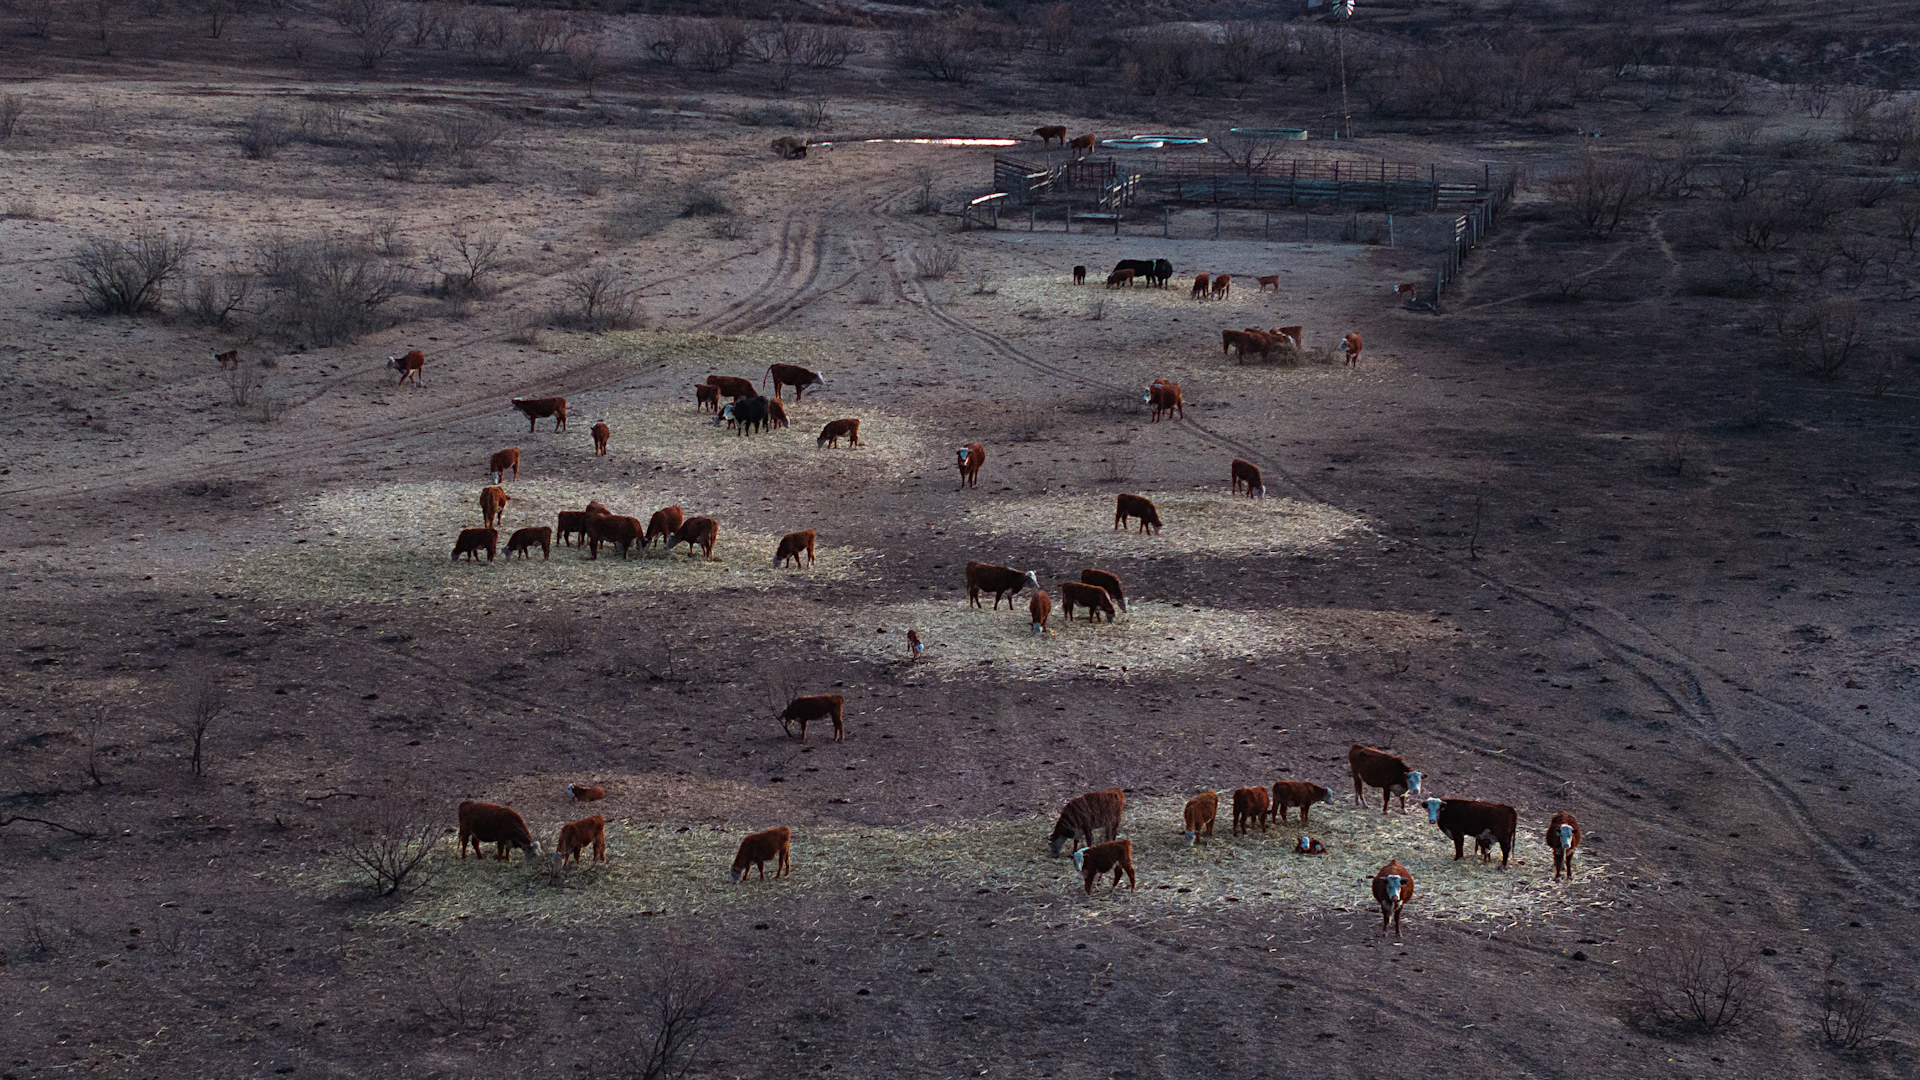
(1868, 193)
(12, 107)
(1882, 373)
(466, 133)
(262, 134)
(814, 114)
(686, 1000)
(40, 17)
(945, 49)
(218, 13)
(323, 121)
(1823, 334)
(94, 720)
(1857, 105)
(1600, 192)
(1763, 225)
(669, 37)
(1851, 1015)
(1696, 981)
(726, 228)
(1738, 180)
(1567, 286)
(127, 277)
(1906, 217)
(1676, 450)
(704, 201)
(871, 292)
(924, 202)
(463, 999)
(374, 26)
(587, 60)
(272, 407)
(715, 45)
(387, 237)
(828, 48)
(528, 37)
(601, 297)
(39, 940)
(559, 630)
(21, 208)
(405, 148)
(1245, 152)
(1894, 135)
(425, 21)
(1117, 466)
(203, 701)
(590, 180)
(1815, 97)
(324, 291)
(475, 257)
(391, 845)
(1811, 194)
(931, 263)
(242, 382)
(215, 297)
(1097, 310)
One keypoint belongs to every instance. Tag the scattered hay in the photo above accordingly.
(1058, 295)
(676, 435)
(1202, 522)
(747, 356)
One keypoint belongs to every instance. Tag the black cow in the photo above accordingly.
(1157, 271)
(1162, 272)
(746, 413)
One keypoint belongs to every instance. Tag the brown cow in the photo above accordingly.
(1291, 333)
(1563, 836)
(792, 546)
(493, 501)
(1109, 582)
(541, 408)
(732, 386)
(1249, 340)
(1165, 397)
(1079, 275)
(1251, 806)
(1351, 346)
(572, 523)
(1461, 818)
(970, 457)
(1291, 793)
(1271, 281)
(999, 580)
(616, 529)
(792, 375)
(1040, 609)
(1408, 289)
(1392, 888)
(601, 434)
(913, 644)
(472, 541)
(1201, 285)
(694, 532)
(662, 524)
(1075, 594)
(1221, 285)
(1051, 133)
(1133, 506)
(707, 397)
(409, 366)
(804, 710)
(577, 836)
(228, 359)
(1246, 472)
(777, 413)
(503, 460)
(1120, 279)
(586, 792)
(759, 847)
(846, 428)
(1081, 817)
(522, 541)
(1372, 767)
(501, 826)
(1114, 855)
(1199, 814)
(789, 146)
(1082, 145)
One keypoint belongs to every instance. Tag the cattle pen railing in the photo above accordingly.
(1469, 228)
(1293, 182)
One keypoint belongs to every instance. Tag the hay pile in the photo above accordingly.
(661, 868)
(1153, 638)
(1205, 521)
(390, 543)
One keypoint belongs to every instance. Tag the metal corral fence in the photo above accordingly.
(1384, 185)
(1470, 227)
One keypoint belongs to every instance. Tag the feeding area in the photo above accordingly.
(674, 434)
(1198, 522)
(1056, 294)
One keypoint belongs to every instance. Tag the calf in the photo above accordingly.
(1271, 281)
(776, 413)
(707, 397)
(1563, 835)
(541, 408)
(501, 826)
(230, 358)
(1051, 133)
(662, 525)
(846, 428)
(1039, 609)
(1120, 279)
(1142, 269)
(1109, 582)
(1221, 285)
(1407, 289)
(969, 458)
(409, 366)
(1082, 145)
(1075, 594)
(1392, 888)
(1351, 346)
(697, 531)
(1079, 275)
(1461, 818)
(1309, 846)
(503, 460)
(471, 542)
(493, 502)
(913, 644)
(746, 414)
(522, 542)
(1096, 811)
(586, 793)
(1247, 473)
(758, 848)
(804, 710)
(792, 375)
(1165, 397)
(1202, 284)
(999, 580)
(733, 386)
(1291, 793)
(1199, 814)
(792, 546)
(601, 434)
(1291, 333)
(1377, 768)
(577, 836)
(616, 529)
(1250, 807)
(1115, 855)
(1133, 506)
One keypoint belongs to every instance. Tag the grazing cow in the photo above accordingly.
(1392, 888)
(1165, 397)
(1114, 855)
(1251, 807)
(697, 531)
(1051, 133)
(792, 546)
(776, 413)
(501, 826)
(1201, 285)
(1109, 582)
(493, 502)
(1461, 818)
(228, 359)
(1095, 811)
(1248, 340)
(746, 413)
(1143, 269)
(661, 525)
(616, 529)
(577, 836)
(1082, 145)
(792, 375)
(503, 460)
(1221, 285)
(1377, 768)
(1408, 289)
(1246, 472)
(758, 848)
(541, 408)
(1075, 594)
(522, 542)
(1162, 272)
(601, 434)
(1309, 846)
(410, 366)
(1291, 333)
(789, 147)
(596, 508)
(1133, 506)
(572, 523)
(804, 710)
(1120, 279)
(472, 541)
(913, 643)
(732, 386)
(999, 580)
(1079, 275)
(586, 792)
(1039, 609)
(1291, 793)
(969, 458)
(1199, 814)
(1271, 281)
(1563, 836)
(847, 428)
(1351, 346)
(707, 396)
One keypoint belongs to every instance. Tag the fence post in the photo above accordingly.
(1306, 225)
(1116, 221)
(1266, 225)
(1069, 220)
(1433, 179)
(1166, 221)
(1216, 223)
(1389, 228)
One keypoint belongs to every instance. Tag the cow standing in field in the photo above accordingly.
(1392, 888)
(501, 826)
(792, 546)
(410, 366)
(541, 408)
(1351, 345)
(616, 529)
(1114, 855)
(1040, 609)
(1164, 396)
(1563, 835)
(1251, 806)
(577, 836)
(804, 710)
(1199, 814)
(471, 542)
(1292, 793)
(601, 435)
(760, 848)
(792, 375)
(1202, 284)
(1079, 275)
(661, 525)
(1096, 811)
(970, 457)
(1051, 133)
(847, 428)
(493, 503)
(501, 461)
(732, 386)
(523, 540)
(998, 580)
(707, 397)
(1075, 594)
(701, 532)
(1376, 768)
(1083, 145)
(1107, 581)
(1133, 506)
(1248, 474)
(1461, 818)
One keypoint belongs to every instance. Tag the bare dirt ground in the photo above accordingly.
(1478, 551)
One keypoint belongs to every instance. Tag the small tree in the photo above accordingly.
(374, 26)
(1850, 1015)
(600, 297)
(11, 108)
(218, 13)
(1600, 192)
(263, 133)
(685, 1001)
(1697, 981)
(127, 277)
(392, 845)
(475, 257)
(204, 703)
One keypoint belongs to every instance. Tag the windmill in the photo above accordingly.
(1340, 35)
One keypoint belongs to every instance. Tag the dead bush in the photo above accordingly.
(600, 297)
(465, 134)
(945, 49)
(391, 845)
(1851, 1015)
(461, 999)
(12, 107)
(1822, 335)
(474, 256)
(1600, 192)
(405, 148)
(931, 263)
(714, 45)
(262, 134)
(215, 297)
(686, 999)
(242, 384)
(374, 27)
(128, 277)
(202, 702)
(703, 201)
(1697, 981)
(325, 291)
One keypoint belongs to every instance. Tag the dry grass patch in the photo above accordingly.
(676, 435)
(747, 356)
(1200, 522)
(1058, 295)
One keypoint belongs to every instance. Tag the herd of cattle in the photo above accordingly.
(1252, 339)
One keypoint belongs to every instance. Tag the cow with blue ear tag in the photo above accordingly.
(1392, 888)
(1563, 836)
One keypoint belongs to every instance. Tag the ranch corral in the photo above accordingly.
(1620, 524)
